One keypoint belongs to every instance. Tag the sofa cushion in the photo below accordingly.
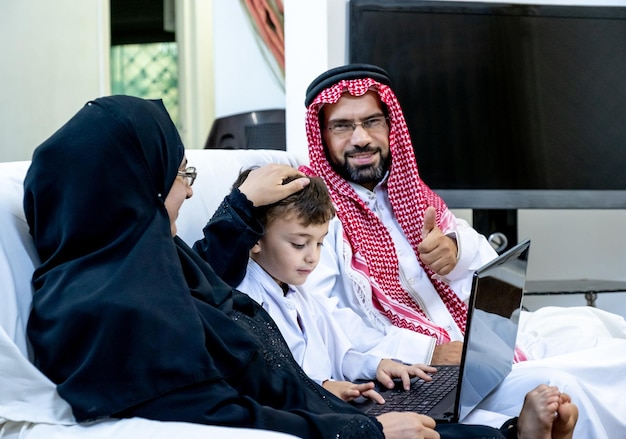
(17, 255)
(27, 395)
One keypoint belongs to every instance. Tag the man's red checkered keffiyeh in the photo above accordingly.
(366, 234)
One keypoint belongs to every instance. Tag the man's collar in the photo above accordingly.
(363, 191)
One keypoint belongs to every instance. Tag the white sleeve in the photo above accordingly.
(474, 252)
(347, 362)
(391, 342)
(363, 362)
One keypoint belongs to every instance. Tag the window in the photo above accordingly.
(144, 54)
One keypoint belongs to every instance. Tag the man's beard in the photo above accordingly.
(363, 174)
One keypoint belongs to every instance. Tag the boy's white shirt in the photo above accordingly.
(315, 339)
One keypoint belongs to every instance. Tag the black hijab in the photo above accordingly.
(116, 319)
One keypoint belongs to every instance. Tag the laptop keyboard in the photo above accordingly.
(423, 396)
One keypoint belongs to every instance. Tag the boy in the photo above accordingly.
(279, 264)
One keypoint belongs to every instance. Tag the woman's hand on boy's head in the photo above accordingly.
(388, 369)
(264, 185)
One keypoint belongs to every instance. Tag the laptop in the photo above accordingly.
(488, 351)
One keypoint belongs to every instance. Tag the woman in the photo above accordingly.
(129, 321)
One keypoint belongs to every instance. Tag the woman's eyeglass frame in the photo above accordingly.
(189, 174)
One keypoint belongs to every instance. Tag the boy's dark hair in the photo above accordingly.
(311, 205)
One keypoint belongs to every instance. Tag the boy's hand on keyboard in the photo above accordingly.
(389, 369)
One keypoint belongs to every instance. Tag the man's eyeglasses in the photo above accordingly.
(189, 174)
(344, 128)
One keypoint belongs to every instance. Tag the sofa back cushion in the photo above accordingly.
(217, 170)
(27, 395)
(17, 254)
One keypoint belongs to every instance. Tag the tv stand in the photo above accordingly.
(589, 287)
(498, 225)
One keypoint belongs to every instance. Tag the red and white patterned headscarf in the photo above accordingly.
(365, 233)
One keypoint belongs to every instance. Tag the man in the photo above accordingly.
(408, 260)
(398, 260)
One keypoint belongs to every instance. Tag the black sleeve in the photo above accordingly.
(217, 403)
(228, 237)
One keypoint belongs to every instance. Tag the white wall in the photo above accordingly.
(56, 57)
(315, 40)
(566, 244)
(244, 81)
(53, 59)
(194, 39)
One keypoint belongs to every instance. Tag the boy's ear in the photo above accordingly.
(256, 249)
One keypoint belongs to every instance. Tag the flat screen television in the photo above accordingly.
(509, 106)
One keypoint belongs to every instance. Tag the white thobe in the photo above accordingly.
(335, 280)
(581, 350)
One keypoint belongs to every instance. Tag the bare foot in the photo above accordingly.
(539, 413)
(563, 427)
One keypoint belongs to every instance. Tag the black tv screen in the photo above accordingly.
(509, 105)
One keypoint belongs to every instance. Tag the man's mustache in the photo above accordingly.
(366, 149)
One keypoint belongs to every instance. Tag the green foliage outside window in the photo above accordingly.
(148, 71)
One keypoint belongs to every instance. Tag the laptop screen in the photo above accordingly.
(495, 305)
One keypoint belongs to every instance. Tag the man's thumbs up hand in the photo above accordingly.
(430, 221)
(437, 251)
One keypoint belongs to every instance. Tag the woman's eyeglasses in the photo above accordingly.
(189, 174)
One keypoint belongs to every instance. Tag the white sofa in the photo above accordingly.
(30, 407)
